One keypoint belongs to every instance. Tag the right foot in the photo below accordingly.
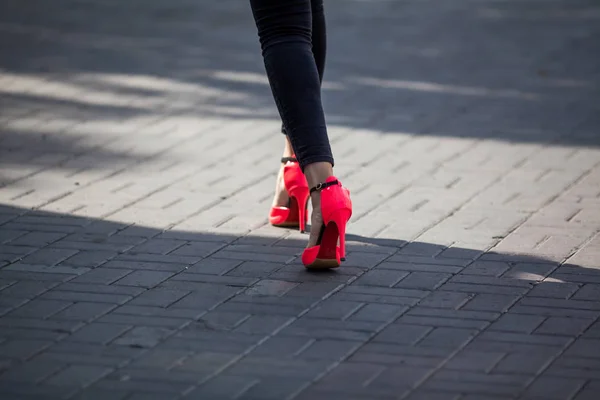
(291, 196)
(329, 225)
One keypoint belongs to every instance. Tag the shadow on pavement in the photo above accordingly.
(487, 70)
(94, 307)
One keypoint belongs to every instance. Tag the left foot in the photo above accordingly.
(281, 198)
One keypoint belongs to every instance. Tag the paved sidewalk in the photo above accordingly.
(138, 149)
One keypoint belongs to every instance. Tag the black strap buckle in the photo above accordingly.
(323, 185)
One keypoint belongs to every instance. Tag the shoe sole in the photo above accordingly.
(287, 225)
(323, 263)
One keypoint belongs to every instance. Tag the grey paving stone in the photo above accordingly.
(36, 277)
(146, 266)
(142, 320)
(214, 266)
(158, 246)
(458, 314)
(143, 386)
(262, 324)
(98, 288)
(402, 334)
(374, 357)
(589, 292)
(283, 346)
(517, 323)
(528, 364)
(159, 297)
(206, 362)
(378, 312)
(384, 292)
(98, 333)
(331, 329)
(83, 311)
(147, 311)
(90, 297)
(423, 280)
(137, 163)
(102, 276)
(224, 387)
(254, 269)
(385, 278)
(41, 324)
(274, 368)
(274, 388)
(486, 268)
(27, 289)
(476, 361)
(445, 299)
(220, 280)
(477, 383)
(443, 322)
(420, 265)
(490, 302)
(271, 288)
(149, 396)
(28, 391)
(33, 333)
(73, 353)
(431, 395)
(553, 311)
(46, 269)
(447, 337)
(593, 331)
(554, 388)
(22, 349)
(144, 278)
(559, 290)
(37, 239)
(31, 372)
(38, 308)
(581, 348)
(564, 326)
(316, 290)
(169, 261)
(335, 309)
(89, 259)
(142, 336)
(351, 379)
(48, 256)
(160, 359)
(78, 375)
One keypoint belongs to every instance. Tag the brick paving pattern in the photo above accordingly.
(138, 149)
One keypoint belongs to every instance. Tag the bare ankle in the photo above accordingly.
(318, 172)
(288, 151)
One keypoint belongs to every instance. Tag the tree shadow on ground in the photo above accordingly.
(224, 300)
(484, 71)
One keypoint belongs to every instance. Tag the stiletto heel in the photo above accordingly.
(336, 209)
(342, 229)
(297, 188)
(301, 197)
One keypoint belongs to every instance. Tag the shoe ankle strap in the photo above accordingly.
(323, 185)
(285, 160)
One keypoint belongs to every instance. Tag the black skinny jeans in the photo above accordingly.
(293, 41)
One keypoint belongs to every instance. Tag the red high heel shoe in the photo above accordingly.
(336, 209)
(295, 184)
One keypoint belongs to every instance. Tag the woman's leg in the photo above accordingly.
(319, 41)
(285, 31)
(319, 36)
